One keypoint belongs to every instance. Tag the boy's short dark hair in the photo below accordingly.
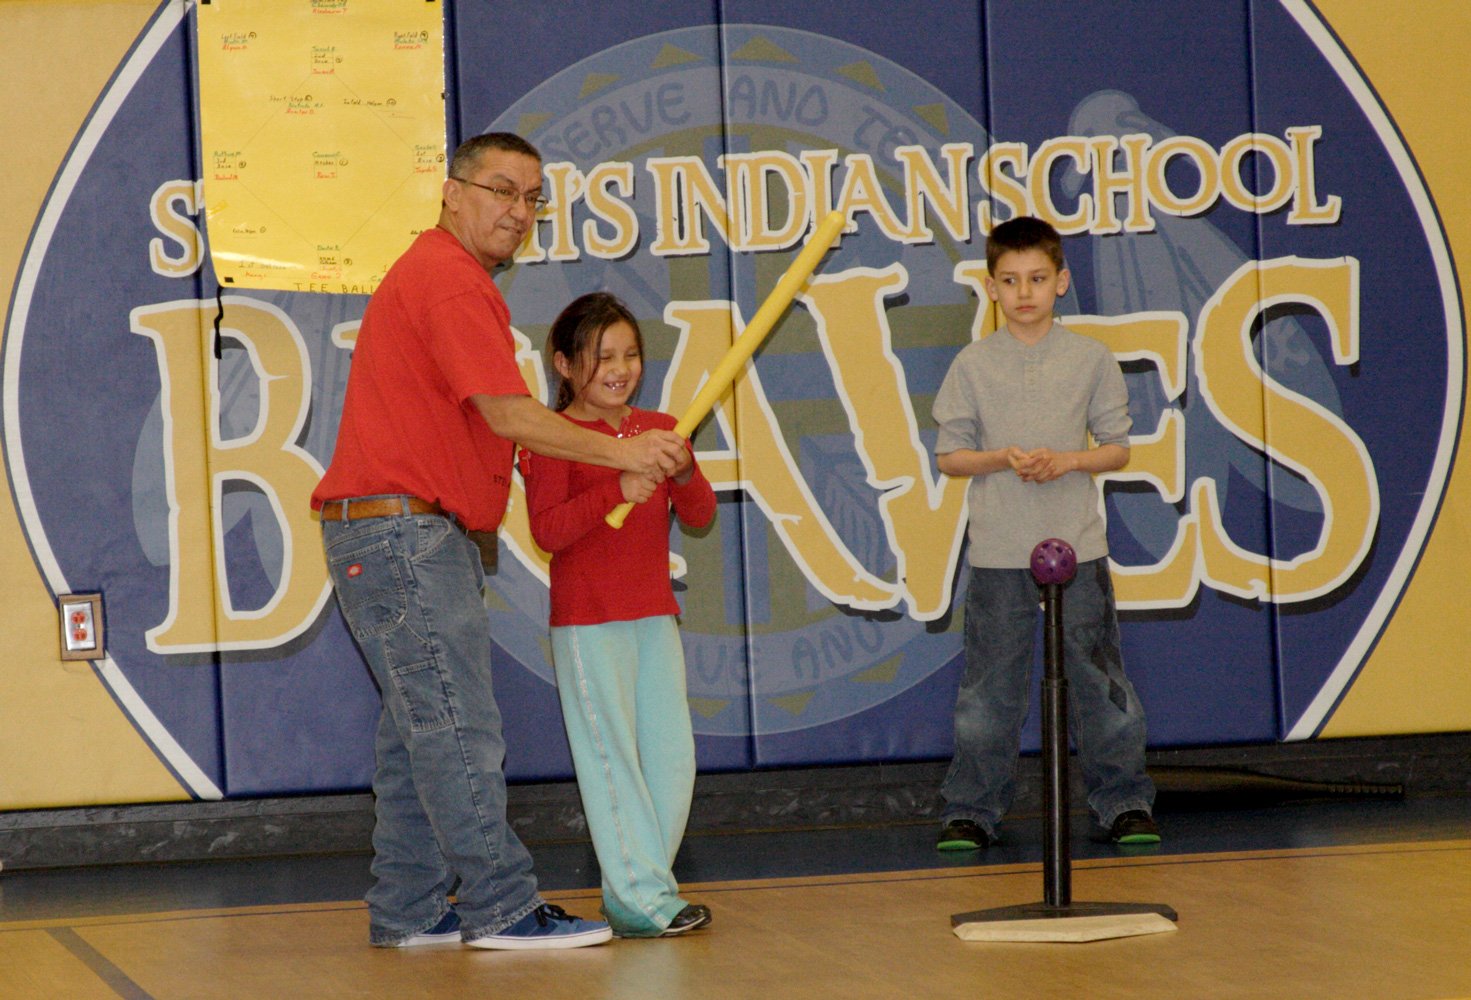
(1023, 233)
(467, 156)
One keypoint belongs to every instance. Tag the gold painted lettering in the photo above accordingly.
(751, 176)
(760, 462)
(923, 513)
(1128, 181)
(922, 184)
(614, 211)
(1202, 156)
(862, 192)
(200, 617)
(686, 198)
(1273, 151)
(177, 227)
(1039, 184)
(1305, 210)
(1289, 428)
(566, 188)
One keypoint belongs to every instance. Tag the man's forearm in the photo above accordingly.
(535, 428)
(654, 453)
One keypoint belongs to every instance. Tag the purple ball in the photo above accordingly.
(1053, 561)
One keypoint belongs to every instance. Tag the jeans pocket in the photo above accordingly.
(370, 588)
(431, 532)
(421, 689)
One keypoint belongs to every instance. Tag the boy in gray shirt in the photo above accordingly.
(1015, 411)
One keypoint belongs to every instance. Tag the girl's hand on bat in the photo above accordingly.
(686, 469)
(636, 488)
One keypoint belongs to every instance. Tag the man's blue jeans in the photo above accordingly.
(409, 588)
(1105, 718)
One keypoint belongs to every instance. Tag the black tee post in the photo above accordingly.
(1057, 917)
(1057, 866)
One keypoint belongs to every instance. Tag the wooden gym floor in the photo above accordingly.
(1294, 901)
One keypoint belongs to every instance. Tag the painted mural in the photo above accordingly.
(1247, 228)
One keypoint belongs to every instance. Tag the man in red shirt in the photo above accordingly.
(434, 408)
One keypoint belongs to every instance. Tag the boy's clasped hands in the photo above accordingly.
(1040, 465)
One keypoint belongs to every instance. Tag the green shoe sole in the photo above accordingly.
(958, 845)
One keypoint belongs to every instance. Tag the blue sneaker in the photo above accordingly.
(547, 926)
(447, 931)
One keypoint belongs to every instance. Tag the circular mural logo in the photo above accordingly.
(702, 162)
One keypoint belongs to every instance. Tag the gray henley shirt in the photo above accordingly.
(1000, 392)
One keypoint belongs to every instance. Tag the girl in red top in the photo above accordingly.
(615, 641)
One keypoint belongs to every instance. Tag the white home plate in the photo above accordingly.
(1067, 929)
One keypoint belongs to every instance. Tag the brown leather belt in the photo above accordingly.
(384, 507)
(485, 541)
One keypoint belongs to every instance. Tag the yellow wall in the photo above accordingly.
(1414, 54)
(63, 740)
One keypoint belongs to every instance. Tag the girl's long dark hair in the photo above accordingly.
(577, 335)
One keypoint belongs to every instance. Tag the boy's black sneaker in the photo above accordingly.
(1134, 827)
(962, 835)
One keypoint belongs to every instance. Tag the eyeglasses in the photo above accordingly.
(535, 202)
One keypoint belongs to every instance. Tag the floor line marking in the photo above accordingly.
(98, 963)
(164, 916)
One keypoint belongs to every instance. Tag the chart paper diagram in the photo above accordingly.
(322, 138)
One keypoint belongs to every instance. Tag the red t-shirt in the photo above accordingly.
(602, 574)
(436, 332)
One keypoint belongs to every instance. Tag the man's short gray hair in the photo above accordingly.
(467, 157)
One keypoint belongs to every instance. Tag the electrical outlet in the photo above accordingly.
(81, 626)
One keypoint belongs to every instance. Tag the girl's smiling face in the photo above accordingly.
(607, 380)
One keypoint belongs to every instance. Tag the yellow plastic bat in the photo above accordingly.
(745, 345)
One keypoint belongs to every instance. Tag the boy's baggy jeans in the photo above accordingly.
(1105, 719)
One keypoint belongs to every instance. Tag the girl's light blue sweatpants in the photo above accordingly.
(622, 687)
